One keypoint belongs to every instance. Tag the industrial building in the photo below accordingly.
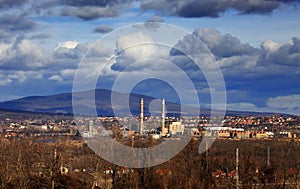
(167, 127)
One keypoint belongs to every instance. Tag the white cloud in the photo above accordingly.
(138, 47)
(18, 60)
(135, 45)
(23, 54)
(245, 61)
(283, 54)
(26, 60)
(288, 104)
(55, 78)
(280, 104)
(271, 46)
(67, 44)
(242, 106)
(6, 78)
(68, 72)
(223, 46)
(4, 47)
(64, 75)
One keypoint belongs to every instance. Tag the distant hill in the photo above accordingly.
(62, 104)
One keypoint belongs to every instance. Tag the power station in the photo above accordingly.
(164, 130)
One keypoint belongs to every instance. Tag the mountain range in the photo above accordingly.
(62, 104)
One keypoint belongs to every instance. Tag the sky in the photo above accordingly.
(254, 43)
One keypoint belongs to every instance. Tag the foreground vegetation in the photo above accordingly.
(32, 163)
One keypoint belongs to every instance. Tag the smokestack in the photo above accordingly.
(91, 124)
(142, 116)
(163, 115)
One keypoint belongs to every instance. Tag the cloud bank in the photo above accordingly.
(213, 8)
(270, 72)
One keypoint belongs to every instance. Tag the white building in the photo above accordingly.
(176, 128)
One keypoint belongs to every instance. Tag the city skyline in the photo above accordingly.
(255, 43)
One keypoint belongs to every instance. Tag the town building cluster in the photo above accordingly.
(164, 126)
(232, 127)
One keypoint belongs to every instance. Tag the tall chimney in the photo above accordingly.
(142, 116)
(163, 115)
(91, 128)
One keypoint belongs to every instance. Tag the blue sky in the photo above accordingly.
(256, 45)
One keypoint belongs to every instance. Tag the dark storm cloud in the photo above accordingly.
(103, 29)
(40, 36)
(207, 8)
(212, 8)
(93, 9)
(84, 9)
(97, 3)
(16, 22)
(90, 12)
(11, 3)
(11, 24)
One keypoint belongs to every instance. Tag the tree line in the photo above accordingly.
(27, 163)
